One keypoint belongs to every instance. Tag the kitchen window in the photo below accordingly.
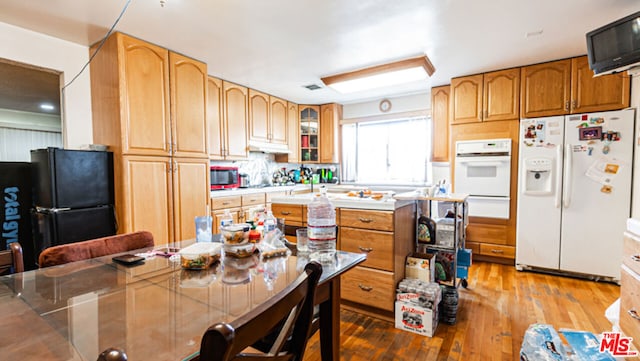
(390, 151)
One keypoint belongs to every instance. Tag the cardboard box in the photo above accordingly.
(420, 266)
(413, 318)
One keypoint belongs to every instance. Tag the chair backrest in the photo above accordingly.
(93, 248)
(289, 313)
(11, 259)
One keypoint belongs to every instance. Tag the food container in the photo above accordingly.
(235, 233)
(199, 255)
(238, 271)
(239, 250)
(197, 278)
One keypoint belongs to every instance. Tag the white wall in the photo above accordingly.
(408, 103)
(33, 48)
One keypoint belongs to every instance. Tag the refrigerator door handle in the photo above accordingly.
(558, 176)
(567, 176)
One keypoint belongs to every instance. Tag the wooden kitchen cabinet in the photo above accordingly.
(330, 115)
(387, 237)
(309, 131)
(259, 129)
(267, 118)
(215, 120)
(293, 136)
(545, 89)
(278, 122)
(149, 107)
(139, 85)
(190, 194)
(163, 196)
(568, 86)
(466, 99)
(440, 121)
(630, 288)
(143, 197)
(236, 113)
(595, 94)
(485, 97)
(501, 95)
(188, 88)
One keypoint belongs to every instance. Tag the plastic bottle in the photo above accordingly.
(226, 219)
(270, 222)
(321, 228)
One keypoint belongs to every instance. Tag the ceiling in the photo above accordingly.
(280, 46)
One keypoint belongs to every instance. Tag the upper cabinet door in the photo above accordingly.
(214, 118)
(236, 113)
(145, 96)
(188, 106)
(602, 93)
(329, 139)
(466, 99)
(545, 89)
(294, 133)
(259, 116)
(440, 120)
(278, 122)
(501, 100)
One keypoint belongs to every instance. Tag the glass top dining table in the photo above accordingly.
(154, 310)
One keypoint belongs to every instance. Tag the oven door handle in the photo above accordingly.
(480, 163)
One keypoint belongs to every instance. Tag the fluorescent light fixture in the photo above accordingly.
(47, 106)
(400, 72)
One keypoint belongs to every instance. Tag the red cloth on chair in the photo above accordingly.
(99, 247)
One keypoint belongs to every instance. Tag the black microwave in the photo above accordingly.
(224, 177)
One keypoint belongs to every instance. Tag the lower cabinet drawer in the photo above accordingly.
(496, 250)
(630, 305)
(377, 245)
(369, 287)
(631, 255)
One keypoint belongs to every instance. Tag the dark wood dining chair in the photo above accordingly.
(93, 248)
(11, 259)
(285, 319)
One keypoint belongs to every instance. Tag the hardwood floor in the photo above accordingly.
(493, 314)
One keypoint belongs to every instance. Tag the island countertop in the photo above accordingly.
(342, 200)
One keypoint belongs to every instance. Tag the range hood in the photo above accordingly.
(268, 147)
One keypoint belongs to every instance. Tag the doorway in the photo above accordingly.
(30, 116)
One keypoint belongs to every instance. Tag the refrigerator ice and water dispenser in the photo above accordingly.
(538, 176)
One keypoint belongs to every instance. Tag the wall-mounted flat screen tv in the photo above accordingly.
(615, 47)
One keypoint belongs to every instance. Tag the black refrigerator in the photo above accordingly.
(73, 196)
(15, 209)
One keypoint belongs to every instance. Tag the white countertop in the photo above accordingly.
(241, 191)
(344, 201)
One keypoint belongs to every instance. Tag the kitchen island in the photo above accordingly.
(382, 229)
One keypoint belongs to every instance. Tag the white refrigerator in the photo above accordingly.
(574, 192)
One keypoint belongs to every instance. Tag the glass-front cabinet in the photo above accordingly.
(309, 124)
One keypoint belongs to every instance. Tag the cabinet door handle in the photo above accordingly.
(365, 249)
(365, 220)
(566, 105)
(574, 105)
(634, 314)
(497, 251)
(285, 213)
(635, 258)
(225, 203)
(365, 288)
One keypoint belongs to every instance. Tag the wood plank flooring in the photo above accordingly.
(493, 314)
